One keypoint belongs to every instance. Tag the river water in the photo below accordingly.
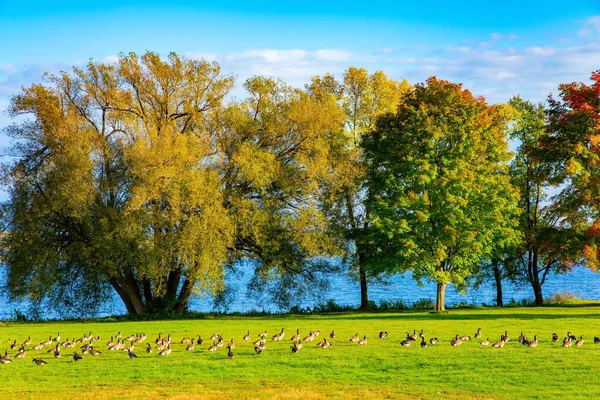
(344, 291)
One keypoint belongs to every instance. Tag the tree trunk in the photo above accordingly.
(498, 278)
(364, 293)
(537, 291)
(440, 299)
(535, 282)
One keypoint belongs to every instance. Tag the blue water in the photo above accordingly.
(345, 291)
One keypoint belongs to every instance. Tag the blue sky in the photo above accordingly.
(497, 49)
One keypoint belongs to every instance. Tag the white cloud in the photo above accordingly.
(112, 59)
(333, 55)
(496, 36)
(590, 26)
(543, 51)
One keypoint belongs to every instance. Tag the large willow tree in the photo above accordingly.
(440, 196)
(139, 176)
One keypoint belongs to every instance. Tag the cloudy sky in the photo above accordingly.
(496, 49)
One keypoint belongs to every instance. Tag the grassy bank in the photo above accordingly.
(382, 368)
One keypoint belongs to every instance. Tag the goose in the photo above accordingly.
(131, 347)
(412, 337)
(433, 340)
(111, 342)
(190, 346)
(119, 335)
(148, 348)
(130, 338)
(140, 338)
(383, 334)
(76, 357)
(363, 341)
(5, 359)
(579, 342)
(199, 341)
(521, 337)
(573, 337)
(456, 341)
(332, 335)
(421, 334)
(27, 341)
(506, 337)
(278, 336)
(258, 349)
(246, 336)
(131, 354)
(21, 352)
(295, 347)
(465, 338)
(501, 343)
(38, 346)
(567, 342)
(159, 338)
(325, 344)
(166, 351)
(309, 338)
(525, 341)
(220, 342)
(48, 342)
(14, 345)
(213, 348)
(185, 340)
(485, 342)
(596, 339)
(423, 343)
(477, 334)
(56, 351)
(94, 352)
(296, 337)
(554, 337)
(259, 342)
(229, 353)
(231, 345)
(317, 333)
(66, 343)
(85, 348)
(39, 362)
(263, 334)
(57, 338)
(354, 338)
(406, 342)
(534, 342)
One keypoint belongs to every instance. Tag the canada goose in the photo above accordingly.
(214, 347)
(433, 340)
(131, 347)
(363, 341)
(231, 345)
(277, 337)
(412, 337)
(521, 337)
(76, 357)
(567, 342)
(93, 351)
(119, 335)
(111, 342)
(66, 343)
(477, 334)
(85, 348)
(131, 354)
(596, 339)
(263, 334)
(247, 336)
(465, 338)
(506, 337)
(554, 337)
(14, 345)
(383, 334)
(5, 359)
(456, 341)
(579, 342)
(39, 362)
(525, 340)
(148, 348)
(501, 343)
(485, 342)
(573, 337)
(295, 347)
(332, 335)
(57, 338)
(48, 342)
(422, 334)
(199, 341)
(423, 343)
(185, 340)
(130, 338)
(406, 342)
(56, 351)
(325, 344)
(38, 346)
(229, 353)
(21, 352)
(296, 337)
(258, 349)
(354, 338)
(159, 338)
(259, 342)
(534, 342)
(309, 338)
(190, 346)
(140, 338)
(27, 341)
(166, 351)
(220, 342)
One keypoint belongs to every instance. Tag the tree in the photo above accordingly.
(438, 184)
(363, 98)
(548, 245)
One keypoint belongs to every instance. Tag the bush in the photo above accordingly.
(423, 304)
(563, 297)
(385, 305)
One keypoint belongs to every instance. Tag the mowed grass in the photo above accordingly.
(381, 369)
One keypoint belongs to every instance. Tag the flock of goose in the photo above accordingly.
(162, 344)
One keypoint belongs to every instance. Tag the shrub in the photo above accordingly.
(563, 297)
(423, 304)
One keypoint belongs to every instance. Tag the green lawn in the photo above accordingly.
(380, 369)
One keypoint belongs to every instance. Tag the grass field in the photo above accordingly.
(381, 369)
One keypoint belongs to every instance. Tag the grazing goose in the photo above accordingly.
(263, 334)
(309, 338)
(406, 342)
(579, 342)
(140, 338)
(423, 343)
(76, 357)
(554, 337)
(383, 334)
(190, 346)
(246, 336)
(456, 341)
(485, 342)
(259, 342)
(363, 341)
(213, 348)
(148, 348)
(5, 359)
(21, 352)
(131, 354)
(94, 352)
(185, 340)
(39, 362)
(166, 351)
(296, 337)
(477, 334)
(229, 353)
(259, 349)
(325, 344)
(48, 342)
(295, 348)
(534, 342)
(332, 335)
(465, 338)
(433, 340)
(278, 336)
(501, 343)
(27, 341)
(38, 346)
(354, 338)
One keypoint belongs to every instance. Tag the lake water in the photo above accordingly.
(582, 282)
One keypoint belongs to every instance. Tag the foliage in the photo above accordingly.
(563, 297)
(439, 191)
